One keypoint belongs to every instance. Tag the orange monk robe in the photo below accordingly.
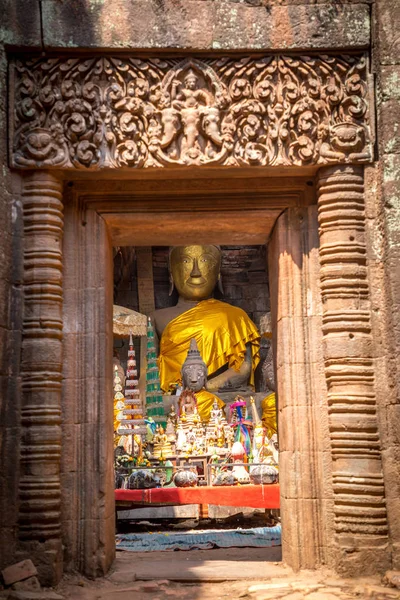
(222, 333)
(268, 406)
(205, 402)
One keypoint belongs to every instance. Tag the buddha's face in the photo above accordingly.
(194, 377)
(195, 270)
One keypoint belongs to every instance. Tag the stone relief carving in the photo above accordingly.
(110, 112)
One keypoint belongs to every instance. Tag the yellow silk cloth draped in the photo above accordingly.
(268, 418)
(205, 401)
(221, 332)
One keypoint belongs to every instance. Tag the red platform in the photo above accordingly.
(253, 496)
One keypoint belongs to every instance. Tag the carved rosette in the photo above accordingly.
(41, 363)
(109, 112)
(359, 497)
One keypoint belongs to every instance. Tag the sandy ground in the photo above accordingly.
(249, 573)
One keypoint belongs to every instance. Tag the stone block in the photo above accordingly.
(122, 577)
(187, 511)
(126, 24)
(28, 585)
(18, 572)
(388, 84)
(348, 344)
(290, 27)
(292, 385)
(389, 126)
(296, 531)
(131, 24)
(387, 28)
(20, 23)
(299, 468)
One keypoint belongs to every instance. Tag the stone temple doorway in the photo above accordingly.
(281, 212)
(209, 149)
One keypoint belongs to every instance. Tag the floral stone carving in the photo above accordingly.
(110, 112)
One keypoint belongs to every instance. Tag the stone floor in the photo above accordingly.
(216, 575)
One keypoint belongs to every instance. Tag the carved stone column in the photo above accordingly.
(360, 524)
(41, 363)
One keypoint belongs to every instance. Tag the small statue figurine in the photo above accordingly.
(171, 428)
(217, 430)
(162, 447)
(230, 436)
(180, 439)
(187, 402)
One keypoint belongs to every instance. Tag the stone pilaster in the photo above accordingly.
(41, 364)
(305, 482)
(360, 522)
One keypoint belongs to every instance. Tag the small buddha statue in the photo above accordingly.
(187, 403)
(194, 379)
(162, 447)
(228, 339)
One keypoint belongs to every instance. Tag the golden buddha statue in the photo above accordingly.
(162, 446)
(227, 338)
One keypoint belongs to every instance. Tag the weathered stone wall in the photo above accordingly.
(9, 343)
(383, 206)
(231, 24)
(20, 27)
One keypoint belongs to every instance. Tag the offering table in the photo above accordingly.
(253, 496)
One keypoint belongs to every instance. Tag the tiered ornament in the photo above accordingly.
(132, 423)
(119, 405)
(154, 399)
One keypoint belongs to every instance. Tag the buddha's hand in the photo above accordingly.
(221, 383)
(212, 386)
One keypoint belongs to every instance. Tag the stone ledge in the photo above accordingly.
(204, 25)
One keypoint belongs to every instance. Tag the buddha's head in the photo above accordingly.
(195, 270)
(194, 369)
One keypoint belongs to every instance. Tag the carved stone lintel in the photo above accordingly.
(358, 487)
(41, 363)
(111, 112)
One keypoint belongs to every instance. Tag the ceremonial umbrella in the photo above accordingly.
(127, 321)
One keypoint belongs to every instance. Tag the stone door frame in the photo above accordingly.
(94, 221)
(316, 357)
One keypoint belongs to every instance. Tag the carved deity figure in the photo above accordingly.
(188, 99)
(227, 338)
